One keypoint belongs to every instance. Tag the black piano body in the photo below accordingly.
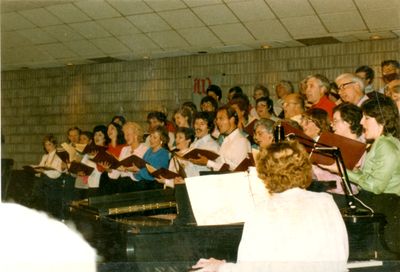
(157, 229)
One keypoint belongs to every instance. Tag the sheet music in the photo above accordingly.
(220, 199)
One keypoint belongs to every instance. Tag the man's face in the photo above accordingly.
(314, 91)
(349, 90)
(224, 123)
(73, 136)
(200, 128)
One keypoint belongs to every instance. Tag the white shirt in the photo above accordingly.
(233, 151)
(208, 143)
(52, 160)
(296, 230)
(125, 153)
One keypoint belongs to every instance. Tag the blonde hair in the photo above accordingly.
(136, 128)
(283, 166)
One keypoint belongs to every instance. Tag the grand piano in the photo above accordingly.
(156, 231)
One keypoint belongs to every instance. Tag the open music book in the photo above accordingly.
(229, 198)
(114, 162)
(36, 168)
(77, 167)
(161, 173)
(194, 154)
(89, 148)
(245, 164)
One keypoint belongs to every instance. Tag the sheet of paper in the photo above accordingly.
(220, 199)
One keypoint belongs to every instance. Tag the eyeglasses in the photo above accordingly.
(342, 86)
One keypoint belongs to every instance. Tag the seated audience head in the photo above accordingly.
(318, 86)
(73, 135)
(234, 90)
(314, 122)
(283, 166)
(380, 117)
(184, 137)
(215, 92)
(259, 91)
(183, 117)
(346, 120)
(100, 135)
(227, 119)
(48, 246)
(283, 88)
(203, 124)
(119, 119)
(115, 133)
(159, 138)
(293, 104)
(351, 88)
(155, 119)
(390, 70)
(208, 104)
(85, 137)
(49, 143)
(133, 133)
(366, 74)
(264, 132)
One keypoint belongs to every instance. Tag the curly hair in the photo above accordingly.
(351, 114)
(283, 166)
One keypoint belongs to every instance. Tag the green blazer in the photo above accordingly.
(380, 172)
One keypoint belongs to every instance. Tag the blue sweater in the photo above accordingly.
(158, 159)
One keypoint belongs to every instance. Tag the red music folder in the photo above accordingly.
(194, 154)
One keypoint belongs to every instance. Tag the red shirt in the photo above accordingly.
(325, 104)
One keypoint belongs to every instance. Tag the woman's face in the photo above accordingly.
(309, 127)
(130, 136)
(181, 141)
(339, 126)
(84, 139)
(262, 137)
(99, 138)
(372, 129)
(262, 109)
(155, 140)
(49, 146)
(112, 132)
(180, 120)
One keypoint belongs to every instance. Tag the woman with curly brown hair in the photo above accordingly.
(292, 229)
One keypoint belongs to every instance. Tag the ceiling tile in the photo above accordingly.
(90, 30)
(139, 42)
(24, 56)
(14, 21)
(63, 33)
(13, 39)
(345, 21)
(346, 38)
(183, 18)
(130, 7)
(254, 10)
(304, 27)
(232, 33)
(268, 30)
(380, 19)
(36, 36)
(158, 5)
(40, 17)
(199, 3)
(233, 48)
(68, 13)
(336, 6)
(168, 39)
(170, 54)
(149, 22)
(377, 4)
(118, 26)
(110, 45)
(57, 50)
(98, 9)
(84, 48)
(383, 35)
(200, 36)
(292, 8)
(397, 32)
(215, 15)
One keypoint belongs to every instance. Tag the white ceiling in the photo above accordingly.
(51, 33)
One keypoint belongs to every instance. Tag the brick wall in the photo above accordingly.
(42, 101)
